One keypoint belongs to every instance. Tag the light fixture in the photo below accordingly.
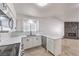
(42, 4)
(30, 21)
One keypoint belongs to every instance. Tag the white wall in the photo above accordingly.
(19, 24)
(20, 20)
(52, 28)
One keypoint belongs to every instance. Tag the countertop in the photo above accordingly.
(7, 39)
(52, 37)
(11, 40)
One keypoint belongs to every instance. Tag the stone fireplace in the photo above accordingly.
(71, 30)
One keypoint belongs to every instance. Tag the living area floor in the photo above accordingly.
(37, 51)
(70, 47)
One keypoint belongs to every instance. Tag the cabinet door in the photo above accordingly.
(34, 43)
(27, 43)
(31, 42)
(37, 41)
(0, 6)
(50, 45)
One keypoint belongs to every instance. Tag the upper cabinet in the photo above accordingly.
(9, 10)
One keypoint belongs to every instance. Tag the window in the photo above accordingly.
(30, 27)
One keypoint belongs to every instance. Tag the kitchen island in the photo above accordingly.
(11, 46)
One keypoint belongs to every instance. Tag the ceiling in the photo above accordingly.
(63, 11)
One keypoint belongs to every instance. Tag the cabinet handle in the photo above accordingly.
(27, 39)
(22, 53)
(36, 38)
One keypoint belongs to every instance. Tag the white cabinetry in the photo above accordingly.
(27, 43)
(8, 9)
(30, 42)
(54, 46)
(1, 6)
(50, 45)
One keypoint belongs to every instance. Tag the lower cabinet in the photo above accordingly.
(27, 43)
(54, 46)
(30, 42)
(50, 45)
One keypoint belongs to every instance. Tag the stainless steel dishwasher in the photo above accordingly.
(44, 40)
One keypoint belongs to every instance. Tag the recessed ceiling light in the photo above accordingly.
(42, 4)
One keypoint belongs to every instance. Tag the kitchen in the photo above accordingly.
(34, 29)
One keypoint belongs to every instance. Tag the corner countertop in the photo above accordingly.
(52, 37)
